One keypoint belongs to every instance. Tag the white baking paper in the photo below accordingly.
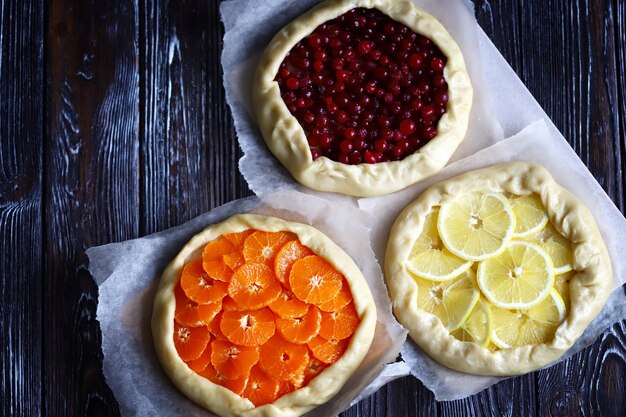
(250, 25)
(128, 273)
(536, 143)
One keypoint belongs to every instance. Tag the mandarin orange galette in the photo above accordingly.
(259, 316)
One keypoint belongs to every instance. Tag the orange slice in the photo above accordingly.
(237, 239)
(213, 259)
(236, 385)
(190, 342)
(287, 306)
(233, 261)
(253, 286)
(248, 328)
(283, 359)
(339, 324)
(233, 361)
(342, 299)
(328, 351)
(189, 313)
(228, 304)
(261, 389)
(198, 365)
(286, 257)
(214, 328)
(198, 286)
(303, 329)
(313, 369)
(261, 247)
(285, 387)
(314, 280)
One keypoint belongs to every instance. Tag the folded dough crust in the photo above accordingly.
(223, 401)
(589, 288)
(287, 140)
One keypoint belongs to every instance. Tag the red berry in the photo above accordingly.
(407, 127)
(293, 83)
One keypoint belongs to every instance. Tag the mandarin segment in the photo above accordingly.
(233, 361)
(287, 306)
(190, 342)
(218, 269)
(236, 385)
(214, 327)
(328, 351)
(314, 280)
(199, 286)
(228, 304)
(248, 328)
(253, 286)
(284, 388)
(342, 299)
(313, 369)
(283, 359)
(237, 239)
(216, 249)
(198, 365)
(339, 324)
(286, 257)
(234, 260)
(262, 247)
(261, 389)
(190, 313)
(302, 329)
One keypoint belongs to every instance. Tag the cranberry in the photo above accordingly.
(365, 88)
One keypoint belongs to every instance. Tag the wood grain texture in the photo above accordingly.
(91, 187)
(21, 137)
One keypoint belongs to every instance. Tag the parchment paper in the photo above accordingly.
(128, 273)
(536, 143)
(250, 25)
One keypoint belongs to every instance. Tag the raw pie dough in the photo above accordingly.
(589, 288)
(287, 140)
(224, 402)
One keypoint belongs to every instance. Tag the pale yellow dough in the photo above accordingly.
(589, 288)
(286, 138)
(223, 401)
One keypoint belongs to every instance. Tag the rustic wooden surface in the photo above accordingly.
(113, 125)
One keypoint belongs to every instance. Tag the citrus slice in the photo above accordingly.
(518, 278)
(233, 361)
(429, 258)
(190, 313)
(476, 226)
(530, 215)
(199, 286)
(237, 239)
(198, 365)
(327, 351)
(248, 328)
(561, 285)
(213, 259)
(236, 385)
(190, 342)
(253, 286)
(342, 299)
(233, 261)
(451, 301)
(534, 326)
(313, 369)
(339, 324)
(314, 280)
(477, 327)
(283, 359)
(262, 247)
(287, 306)
(228, 304)
(214, 328)
(286, 257)
(557, 246)
(261, 389)
(301, 329)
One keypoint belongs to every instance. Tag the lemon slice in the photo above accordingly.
(533, 326)
(450, 300)
(530, 215)
(557, 246)
(520, 277)
(476, 226)
(429, 258)
(478, 326)
(561, 285)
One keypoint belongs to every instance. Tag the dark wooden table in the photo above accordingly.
(113, 125)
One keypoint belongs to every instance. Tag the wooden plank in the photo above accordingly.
(21, 142)
(91, 186)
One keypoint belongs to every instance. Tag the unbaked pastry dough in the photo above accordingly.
(224, 402)
(589, 288)
(287, 140)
